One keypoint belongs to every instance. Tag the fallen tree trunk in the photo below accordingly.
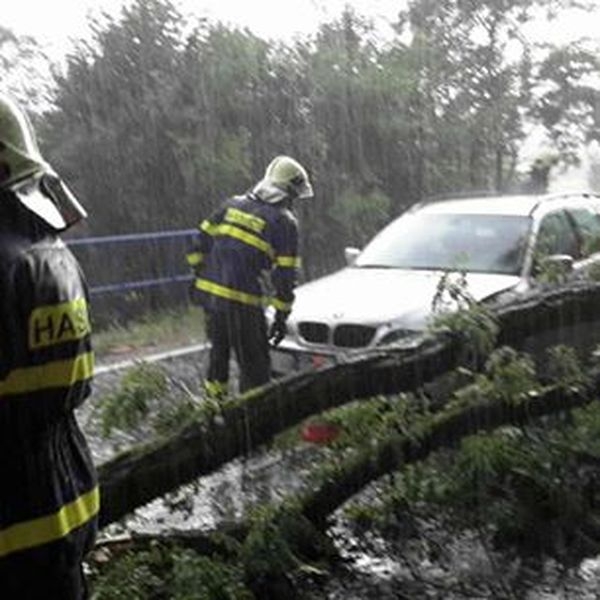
(144, 473)
(445, 430)
(567, 314)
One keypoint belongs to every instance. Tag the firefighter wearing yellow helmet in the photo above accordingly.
(49, 494)
(247, 237)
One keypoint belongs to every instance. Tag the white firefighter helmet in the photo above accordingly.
(24, 172)
(284, 178)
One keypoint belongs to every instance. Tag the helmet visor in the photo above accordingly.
(50, 199)
(304, 190)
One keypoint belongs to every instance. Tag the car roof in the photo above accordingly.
(517, 205)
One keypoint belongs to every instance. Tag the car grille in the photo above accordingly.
(353, 336)
(314, 333)
(344, 336)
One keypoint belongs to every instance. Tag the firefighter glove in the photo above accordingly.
(278, 328)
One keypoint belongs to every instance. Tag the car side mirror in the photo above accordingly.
(554, 267)
(563, 263)
(350, 254)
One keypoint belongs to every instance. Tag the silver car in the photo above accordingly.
(385, 294)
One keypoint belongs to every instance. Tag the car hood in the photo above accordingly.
(375, 296)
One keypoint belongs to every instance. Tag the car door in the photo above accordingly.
(556, 237)
(586, 220)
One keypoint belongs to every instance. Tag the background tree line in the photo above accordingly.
(156, 118)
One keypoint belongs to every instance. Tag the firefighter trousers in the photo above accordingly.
(48, 572)
(242, 330)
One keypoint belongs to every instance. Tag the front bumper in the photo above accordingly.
(287, 360)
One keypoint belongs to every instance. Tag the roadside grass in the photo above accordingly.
(156, 330)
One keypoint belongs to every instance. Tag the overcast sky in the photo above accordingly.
(55, 22)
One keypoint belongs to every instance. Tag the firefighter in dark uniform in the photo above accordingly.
(49, 497)
(248, 242)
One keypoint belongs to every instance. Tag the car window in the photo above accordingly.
(472, 242)
(556, 236)
(587, 223)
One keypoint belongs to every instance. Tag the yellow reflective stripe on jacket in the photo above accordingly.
(52, 527)
(208, 227)
(288, 261)
(248, 220)
(194, 258)
(243, 236)
(56, 374)
(229, 293)
(281, 305)
(58, 323)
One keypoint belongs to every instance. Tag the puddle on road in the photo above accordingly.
(227, 495)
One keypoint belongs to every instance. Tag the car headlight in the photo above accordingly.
(400, 336)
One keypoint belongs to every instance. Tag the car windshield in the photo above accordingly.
(470, 242)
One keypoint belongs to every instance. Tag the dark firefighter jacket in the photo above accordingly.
(243, 239)
(49, 494)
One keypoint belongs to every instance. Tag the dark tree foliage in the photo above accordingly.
(157, 118)
(114, 119)
(569, 105)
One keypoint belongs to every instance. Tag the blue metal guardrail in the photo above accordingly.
(123, 286)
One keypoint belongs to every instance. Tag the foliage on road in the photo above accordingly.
(502, 450)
